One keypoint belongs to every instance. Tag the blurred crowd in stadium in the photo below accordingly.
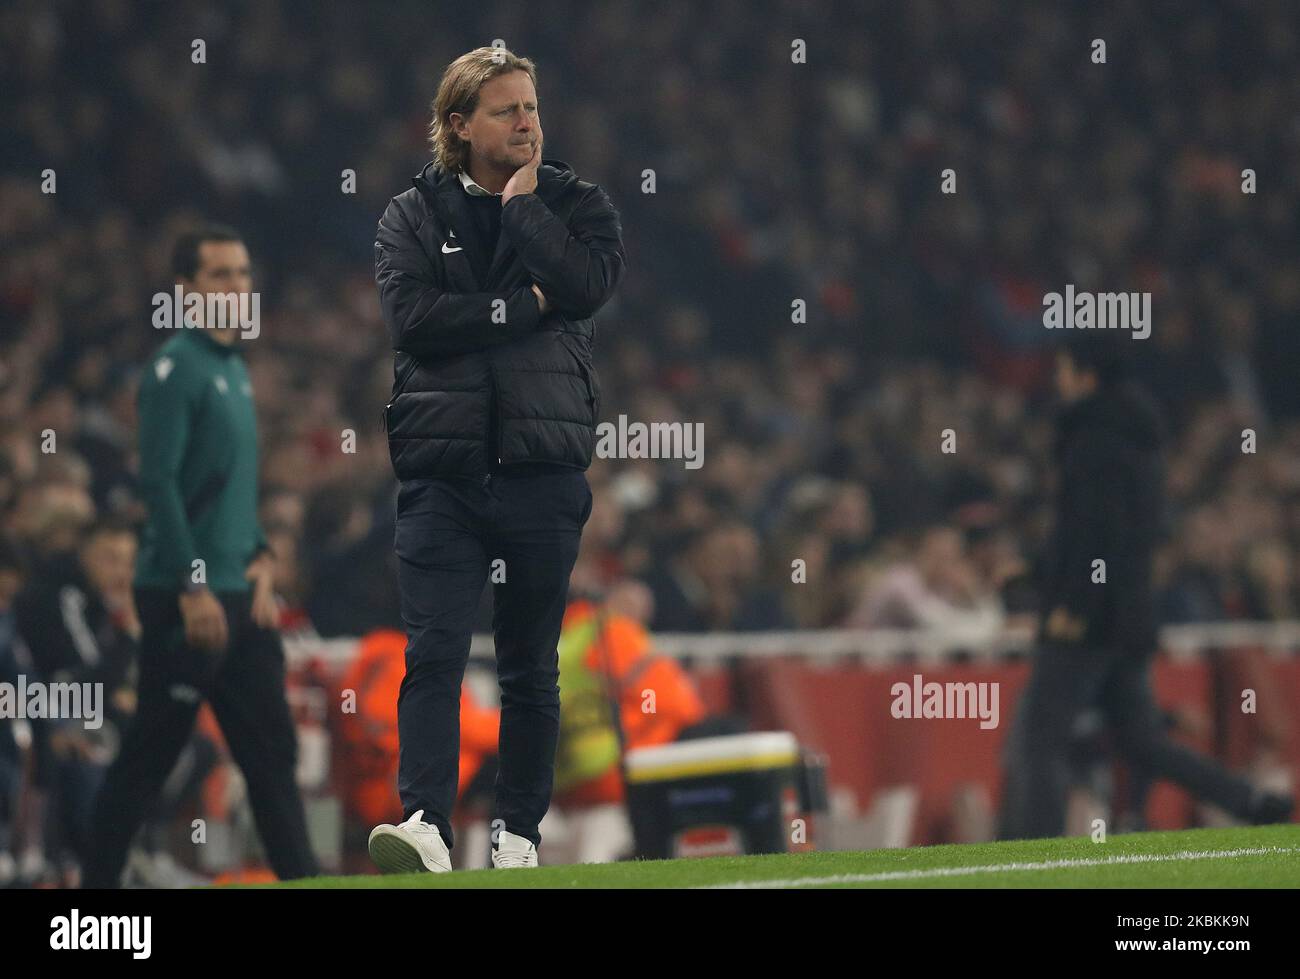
(771, 182)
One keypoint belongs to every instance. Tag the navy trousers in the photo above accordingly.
(453, 536)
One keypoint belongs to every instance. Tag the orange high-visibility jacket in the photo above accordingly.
(368, 738)
(624, 655)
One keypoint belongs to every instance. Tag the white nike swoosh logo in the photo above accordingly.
(448, 251)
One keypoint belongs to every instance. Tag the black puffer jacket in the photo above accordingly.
(481, 379)
(1110, 506)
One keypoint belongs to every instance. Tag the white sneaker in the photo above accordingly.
(159, 871)
(409, 847)
(513, 851)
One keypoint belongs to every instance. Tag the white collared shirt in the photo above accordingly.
(474, 189)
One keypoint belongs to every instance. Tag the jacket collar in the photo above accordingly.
(446, 194)
(1124, 411)
(473, 188)
(203, 337)
(553, 178)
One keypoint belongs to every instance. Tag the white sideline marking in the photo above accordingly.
(999, 867)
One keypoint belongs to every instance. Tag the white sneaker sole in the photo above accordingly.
(393, 853)
(497, 866)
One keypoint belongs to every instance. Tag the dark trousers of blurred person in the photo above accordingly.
(451, 533)
(245, 686)
(1068, 680)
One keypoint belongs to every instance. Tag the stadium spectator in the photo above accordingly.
(15, 737)
(80, 615)
(714, 583)
(940, 588)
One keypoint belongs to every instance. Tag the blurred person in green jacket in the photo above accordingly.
(204, 582)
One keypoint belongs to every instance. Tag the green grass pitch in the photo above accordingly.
(1263, 856)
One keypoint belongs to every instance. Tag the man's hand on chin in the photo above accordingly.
(524, 180)
(543, 306)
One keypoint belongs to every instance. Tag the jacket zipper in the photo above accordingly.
(591, 388)
(431, 198)
(401, 384)
(494, 410)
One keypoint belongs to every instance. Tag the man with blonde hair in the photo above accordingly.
(489, 270)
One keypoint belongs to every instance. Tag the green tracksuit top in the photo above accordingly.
(198, 464)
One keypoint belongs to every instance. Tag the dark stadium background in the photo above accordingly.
(774, 182)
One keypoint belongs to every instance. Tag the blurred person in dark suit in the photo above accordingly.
(1097, 638)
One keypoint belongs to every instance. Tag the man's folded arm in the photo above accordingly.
(426, 321)
(577, 272)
